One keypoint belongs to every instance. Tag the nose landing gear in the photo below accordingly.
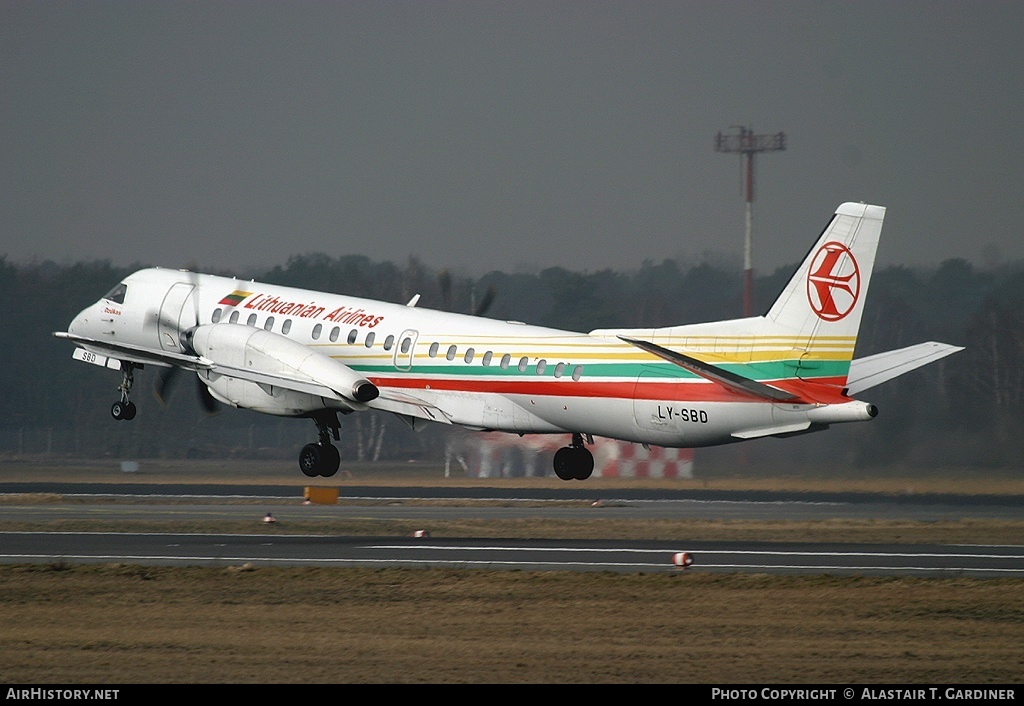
(125, 409)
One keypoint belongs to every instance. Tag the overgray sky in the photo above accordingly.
(498, 135)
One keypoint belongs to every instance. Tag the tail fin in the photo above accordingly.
(826, 295)
(822, 305)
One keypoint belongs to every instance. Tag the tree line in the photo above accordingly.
(966, 411)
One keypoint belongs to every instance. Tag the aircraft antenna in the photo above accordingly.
(747, 144)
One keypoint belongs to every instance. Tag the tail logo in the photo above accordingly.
(833, 282)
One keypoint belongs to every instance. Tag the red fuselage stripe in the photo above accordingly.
(825, 390)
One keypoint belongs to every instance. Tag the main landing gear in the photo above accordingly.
(322, 458)
(125, 409)
(574, 462)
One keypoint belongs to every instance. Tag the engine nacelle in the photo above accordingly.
(258, 351)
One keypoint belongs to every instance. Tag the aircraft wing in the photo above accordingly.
(406, 405)
(389, 400)
(865, 373)
(708, 371)
(137, 354)
(144, 356)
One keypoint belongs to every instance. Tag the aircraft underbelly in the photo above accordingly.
(661, 423)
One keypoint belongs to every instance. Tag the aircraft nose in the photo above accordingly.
(80, 323)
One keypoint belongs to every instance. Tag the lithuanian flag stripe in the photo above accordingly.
(235, 298)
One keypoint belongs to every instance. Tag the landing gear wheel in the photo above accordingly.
(319, 460)
(309, 460)
(330, 460)
(574, 462)
(322, 458)
(583, 463)
(123, 410)
(563, 463)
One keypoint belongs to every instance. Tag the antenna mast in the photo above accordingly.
(747, 144)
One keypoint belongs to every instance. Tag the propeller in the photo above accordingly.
(166, 380)
(485, 303)
(445, 284)
(164, 384)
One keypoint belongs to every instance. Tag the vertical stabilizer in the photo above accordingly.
(822, 305)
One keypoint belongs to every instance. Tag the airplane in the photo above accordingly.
(300, 353)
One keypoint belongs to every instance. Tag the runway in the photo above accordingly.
(278, 547)
(590, 555)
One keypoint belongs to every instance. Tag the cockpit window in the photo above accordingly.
(116, 294)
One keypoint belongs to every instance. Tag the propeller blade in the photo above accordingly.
(164, 383)
(444, 281)
(486, 302)
(206, 398)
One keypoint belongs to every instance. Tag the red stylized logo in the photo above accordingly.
(833, 282)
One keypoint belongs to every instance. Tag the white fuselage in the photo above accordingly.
(249, 337)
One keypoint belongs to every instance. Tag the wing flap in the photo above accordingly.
(408, 405)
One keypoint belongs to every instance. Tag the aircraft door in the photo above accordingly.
(405, 349)
(173, 317)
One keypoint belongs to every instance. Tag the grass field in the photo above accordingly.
(131, 624)
(128, 624)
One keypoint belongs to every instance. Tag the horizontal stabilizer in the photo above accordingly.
(714, 373)
(865, 373)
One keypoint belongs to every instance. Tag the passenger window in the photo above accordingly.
(541, 366)
(352, 336)
(251, 321)
(487, 358)
(233, 319)
(405, 345)
(523, 362)
(577, 372)
(216, 315)
(116, 294)
(469, 355)
(559, 369)
(451, 353)
(505, 360)
(269, 325)
(369, 339)
(286, 326)
(388, 342)
(335, 332)
(317, 330)
(433, 349)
